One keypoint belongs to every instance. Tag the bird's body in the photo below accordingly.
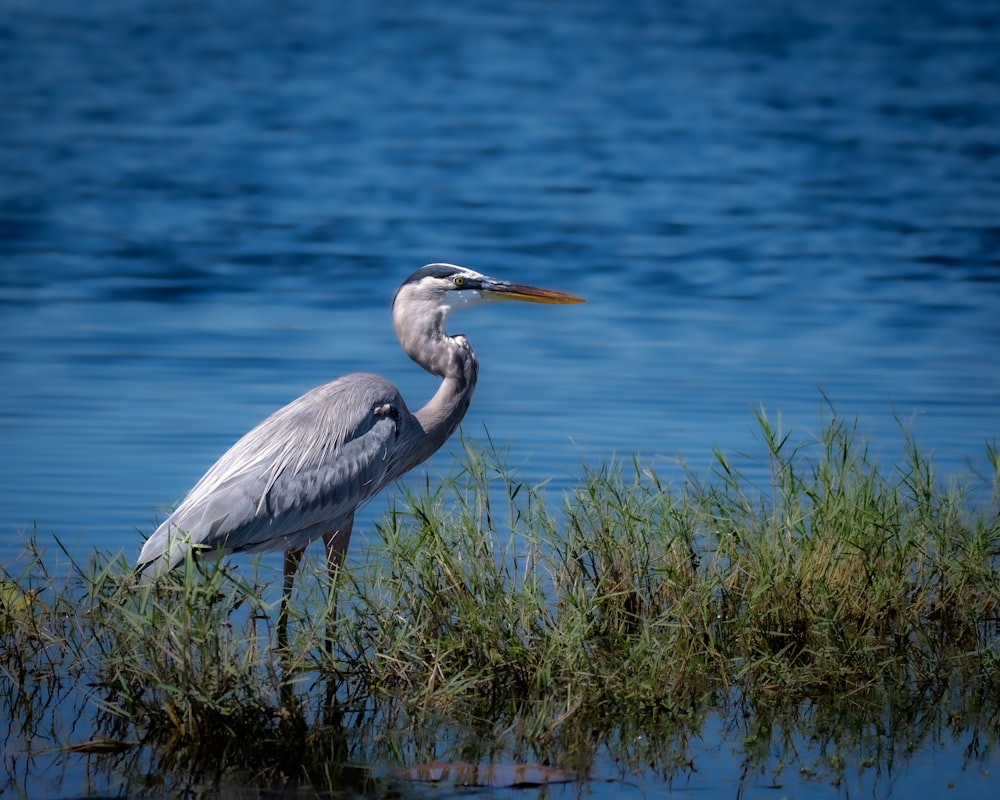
(306, 466)
(302, 472)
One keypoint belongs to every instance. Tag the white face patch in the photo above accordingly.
(462, 298)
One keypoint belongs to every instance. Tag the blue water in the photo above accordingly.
(205, 209)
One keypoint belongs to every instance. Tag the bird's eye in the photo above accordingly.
(459, 281)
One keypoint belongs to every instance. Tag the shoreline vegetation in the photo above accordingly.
(844, 602)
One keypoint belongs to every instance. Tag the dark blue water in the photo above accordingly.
(205, 209)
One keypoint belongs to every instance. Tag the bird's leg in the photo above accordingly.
(336, 542)
(292, 559)
(289, 702)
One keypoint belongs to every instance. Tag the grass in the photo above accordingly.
(492, 618)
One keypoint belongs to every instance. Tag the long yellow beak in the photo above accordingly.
(502, 290)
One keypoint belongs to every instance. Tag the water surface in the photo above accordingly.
(205, 209)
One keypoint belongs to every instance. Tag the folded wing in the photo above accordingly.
(293, 477)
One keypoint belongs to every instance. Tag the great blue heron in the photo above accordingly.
(303, 472)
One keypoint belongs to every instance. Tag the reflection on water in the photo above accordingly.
(206, 207)
(909, 740)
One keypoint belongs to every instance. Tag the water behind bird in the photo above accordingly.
(206, 208)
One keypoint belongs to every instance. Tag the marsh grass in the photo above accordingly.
(491, 618)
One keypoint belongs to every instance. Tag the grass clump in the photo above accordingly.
(845, 574)
(489, 618)
(184, 665)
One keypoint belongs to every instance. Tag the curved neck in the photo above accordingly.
(420, 328)
(445, 410)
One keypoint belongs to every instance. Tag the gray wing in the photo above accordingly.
(294, 476)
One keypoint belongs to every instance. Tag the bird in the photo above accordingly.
(302, 473)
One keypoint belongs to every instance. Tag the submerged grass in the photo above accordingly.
(491, 618)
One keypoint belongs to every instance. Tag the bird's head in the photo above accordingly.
(427, 297)
(447, 287)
